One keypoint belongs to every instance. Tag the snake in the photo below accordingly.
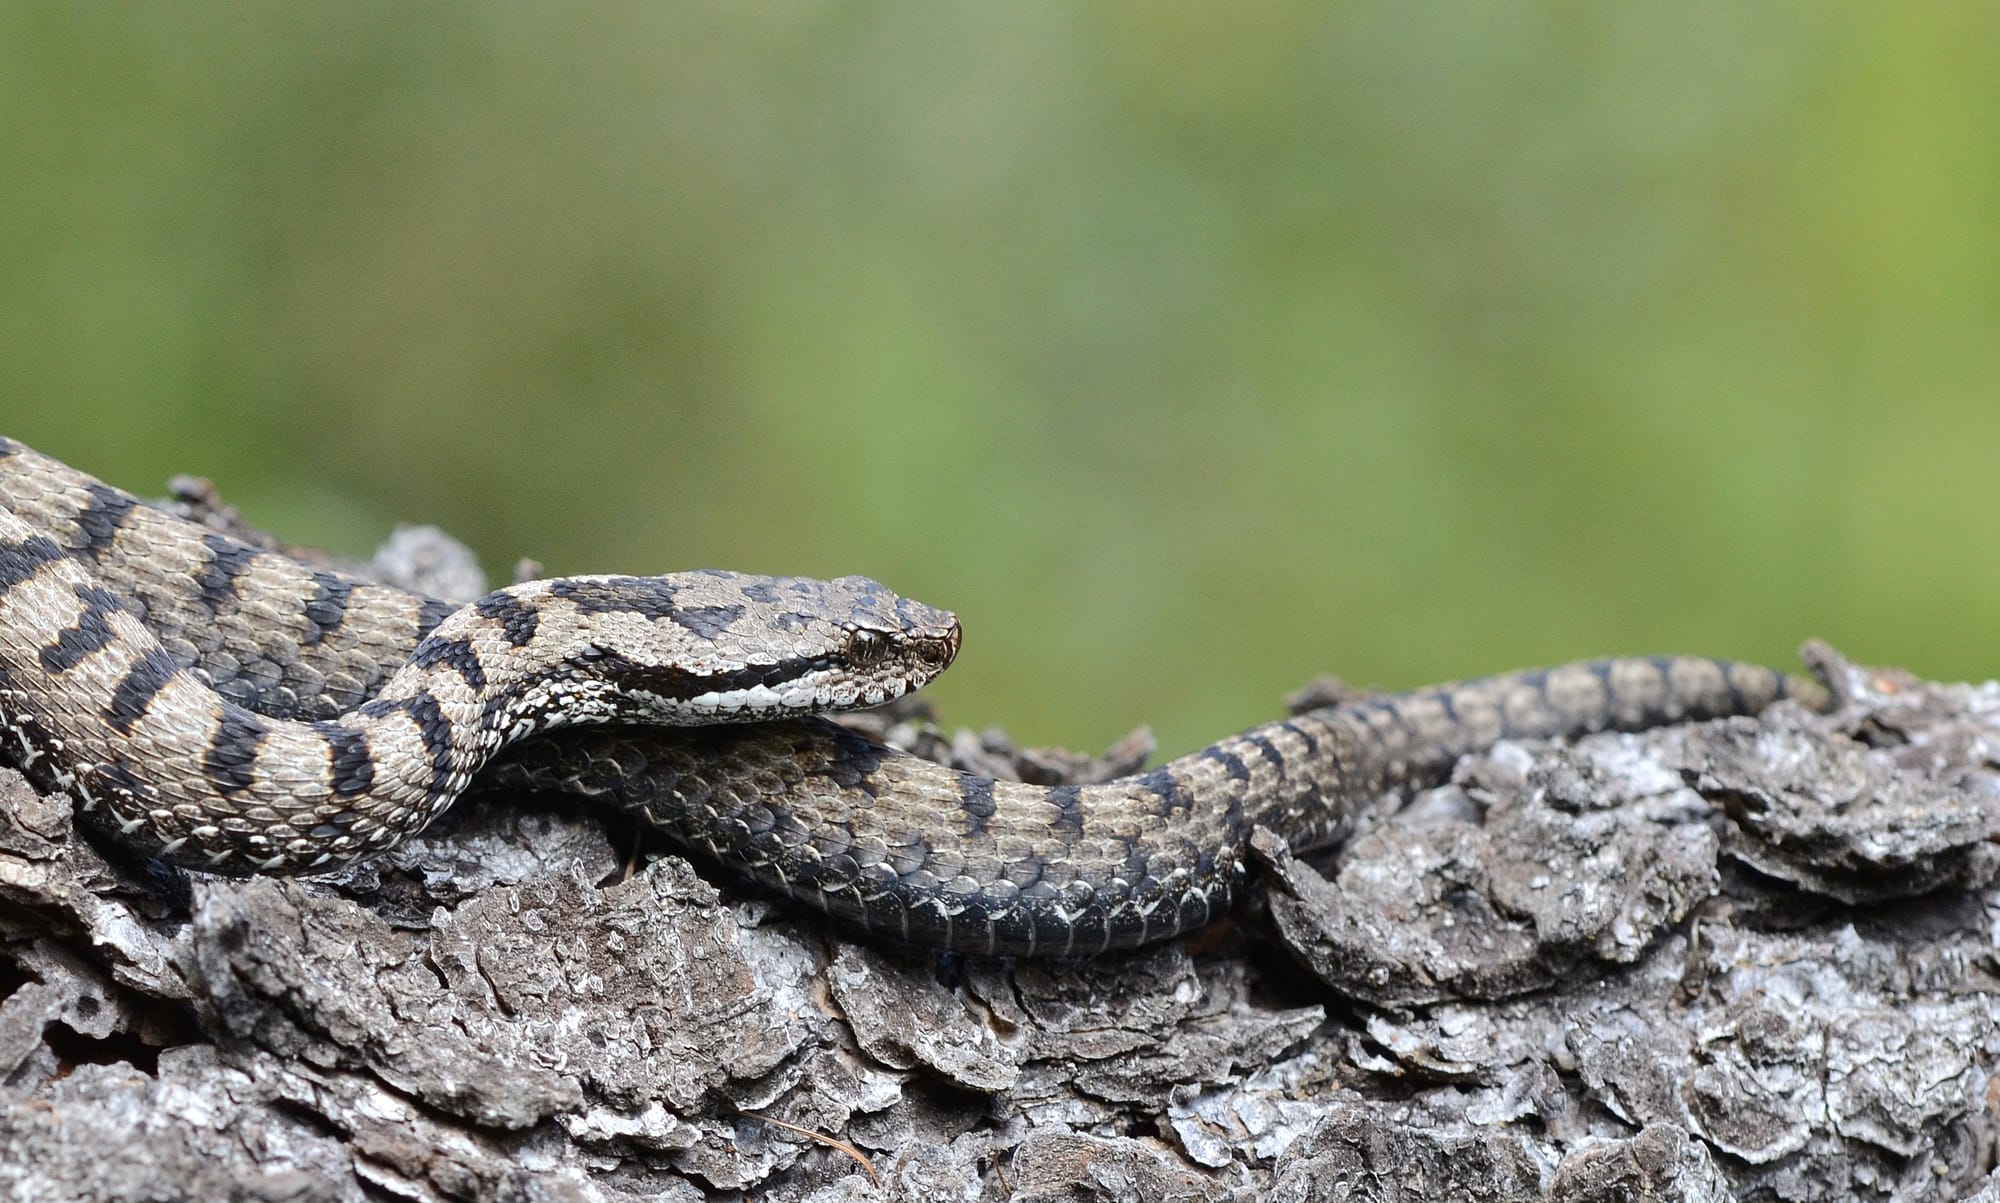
(230, 709)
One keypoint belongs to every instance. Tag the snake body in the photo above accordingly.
(234, 710)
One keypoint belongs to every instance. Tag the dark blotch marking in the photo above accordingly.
(352, 762)
(333, 827)
(709, 622)
(458, 655)
(118, 780)
(500, 706)
(1398, 711)
(1612, 710)
(436, 732)
(102, 519)
(92, 631)
(518, 620)
(328, 608)
(231, 761)
(645, 595)
(834, 754)
(1231, 763)
(432, 728)
(1068, 801)
(1164, 786)
(21, 561)
(1265, 748)
(8, 447)
(975, 797)
(135, 693)
(434, 611)
(1537, 683)
(1738, 703)
(216, 580)
(761, 591)
(1304, 736)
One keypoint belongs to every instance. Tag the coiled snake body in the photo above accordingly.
(234, 710)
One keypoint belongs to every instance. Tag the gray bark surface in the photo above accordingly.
(1751, 959)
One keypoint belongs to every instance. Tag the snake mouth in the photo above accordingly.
(675, 684)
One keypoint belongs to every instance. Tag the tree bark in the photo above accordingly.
(1747, 959)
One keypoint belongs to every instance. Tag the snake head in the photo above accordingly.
(880, 645)
(707, 647)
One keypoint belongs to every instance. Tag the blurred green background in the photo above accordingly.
(1186, 350)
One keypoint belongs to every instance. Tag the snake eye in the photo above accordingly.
(866, 647)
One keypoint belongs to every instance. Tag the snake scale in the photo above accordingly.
(234, 710)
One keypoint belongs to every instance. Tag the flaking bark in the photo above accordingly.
(1751, 959)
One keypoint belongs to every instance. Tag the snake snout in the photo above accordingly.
(944, 649)
(931, 635)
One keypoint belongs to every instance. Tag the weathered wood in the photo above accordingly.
(1749, 959)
